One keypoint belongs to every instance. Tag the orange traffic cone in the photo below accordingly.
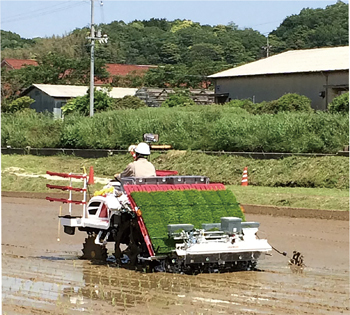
(244, 181)
(91, 176)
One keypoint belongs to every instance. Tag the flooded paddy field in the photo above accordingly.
(43, 276)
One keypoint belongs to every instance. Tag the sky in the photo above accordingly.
(31, 19)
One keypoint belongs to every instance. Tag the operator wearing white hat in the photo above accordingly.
(141, 167)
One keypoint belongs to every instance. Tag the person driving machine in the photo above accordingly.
(141, 167)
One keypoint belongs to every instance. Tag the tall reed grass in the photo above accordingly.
(213, 127)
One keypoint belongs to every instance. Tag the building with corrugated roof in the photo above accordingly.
(51, 98)
(320, 74)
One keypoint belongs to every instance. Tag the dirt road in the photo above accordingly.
(43, 276)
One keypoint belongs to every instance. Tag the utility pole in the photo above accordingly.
(92, 60)
(102, 39)
(267, 47)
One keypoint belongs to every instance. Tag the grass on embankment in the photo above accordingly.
(311, 198)
(328, 176)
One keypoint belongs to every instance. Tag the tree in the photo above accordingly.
(170, 53)
(178, 47)
(52, 69)
(205, 52)
(314, 28)
(14, 41)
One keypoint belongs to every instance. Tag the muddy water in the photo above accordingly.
(43, 276)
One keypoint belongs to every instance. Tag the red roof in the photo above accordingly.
(112, 68)
(121, 69)
(18, 63)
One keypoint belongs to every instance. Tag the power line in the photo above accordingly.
(45, 11)
(266, 23)
(33, 10)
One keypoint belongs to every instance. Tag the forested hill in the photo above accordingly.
(190, 51)
(158, 41)
(314, 28)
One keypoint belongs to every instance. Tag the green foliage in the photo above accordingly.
(217, 128)
(128, 102)
(185, 51)
(285, 132)
(14, 41)
(294, 171)
(183, 207)
(293, 102)
(132, 80)
(158, 41)
(340, 104)
(180, 76)
(322, 173)
(313, 28)
(28, 128)
(20, 104)
(178, 99)
(81, 104)
(290, 102)
(52, 69)
(246, 104)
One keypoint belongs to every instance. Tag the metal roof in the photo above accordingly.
(293, 61)
(71, 91)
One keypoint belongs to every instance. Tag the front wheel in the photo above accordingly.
(92, 251)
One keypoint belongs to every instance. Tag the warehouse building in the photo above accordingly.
(320, 74)
(51, 98)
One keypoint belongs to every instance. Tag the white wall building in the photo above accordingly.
(51, 98)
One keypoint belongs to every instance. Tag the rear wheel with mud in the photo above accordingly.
(93, 251)
(129, 234)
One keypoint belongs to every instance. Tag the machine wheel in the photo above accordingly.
(93, 251)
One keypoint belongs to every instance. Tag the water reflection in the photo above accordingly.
(127, 289)
(77, 286)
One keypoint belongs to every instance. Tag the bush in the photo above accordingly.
(20, 104)
(293, 102)
(239, 103)
(245, 104)
(81, 104)
(178, 99)
(128, 102)
(287, 103)
(290, 102)
(339, 104)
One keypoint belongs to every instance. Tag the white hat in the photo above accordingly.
(143, 148)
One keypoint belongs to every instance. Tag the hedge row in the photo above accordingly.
(183, 207)
(194, 128)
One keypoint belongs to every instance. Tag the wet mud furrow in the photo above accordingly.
(77, 285)
(43, 276)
